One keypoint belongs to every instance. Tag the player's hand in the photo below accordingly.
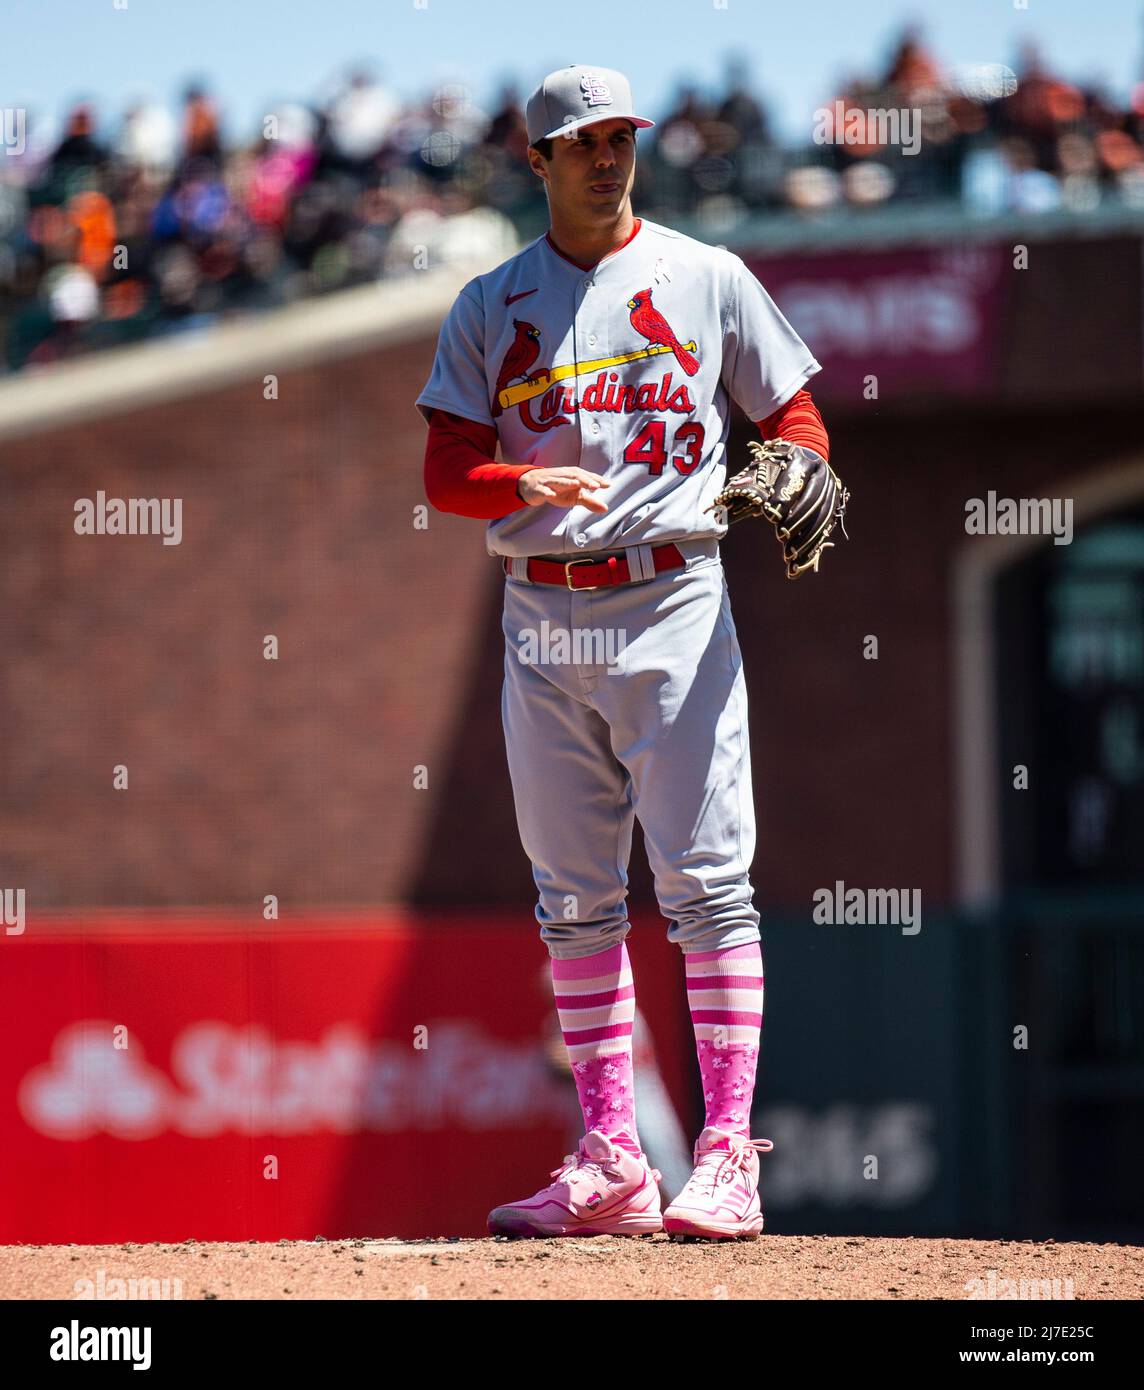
(562, 487)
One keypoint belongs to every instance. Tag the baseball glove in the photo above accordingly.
(797, 491)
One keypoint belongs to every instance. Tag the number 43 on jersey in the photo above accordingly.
(649, 447)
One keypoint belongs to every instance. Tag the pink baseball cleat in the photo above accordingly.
(721, 1198)
(601, 1190)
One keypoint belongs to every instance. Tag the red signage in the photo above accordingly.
(164, 1079)
(918, 320)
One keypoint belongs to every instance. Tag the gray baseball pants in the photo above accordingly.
(623, 702)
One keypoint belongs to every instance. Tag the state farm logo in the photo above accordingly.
(895, 314)
(91, 1087)
(243, 1080)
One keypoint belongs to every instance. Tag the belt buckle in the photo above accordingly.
(584, 588)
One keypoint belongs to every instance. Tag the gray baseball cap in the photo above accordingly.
(576, 96)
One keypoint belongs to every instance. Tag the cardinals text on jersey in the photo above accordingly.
(627, 369)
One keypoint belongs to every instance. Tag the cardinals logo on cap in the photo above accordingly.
(596, 90)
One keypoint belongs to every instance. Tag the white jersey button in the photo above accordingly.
(581, 538)
(595, 427)
(591, 340)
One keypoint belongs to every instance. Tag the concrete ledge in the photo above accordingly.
(336, 325)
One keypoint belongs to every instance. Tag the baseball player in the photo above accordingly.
(603, 359)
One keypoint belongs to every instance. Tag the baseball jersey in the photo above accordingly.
(626, 369)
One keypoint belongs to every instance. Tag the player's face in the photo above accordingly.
(591, 171)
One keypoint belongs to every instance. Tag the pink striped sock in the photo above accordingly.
(725, 995)
(596, 1002)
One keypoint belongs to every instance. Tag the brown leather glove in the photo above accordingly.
(797, 491)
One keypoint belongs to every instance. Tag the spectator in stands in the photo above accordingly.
(507, 129)
(79, 146)
(359, 121)
(914, 75)
(168, 228)
(148, 140)
(202, 137)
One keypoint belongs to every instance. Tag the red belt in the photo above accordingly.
(586, 573)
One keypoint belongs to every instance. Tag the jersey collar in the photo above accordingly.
(556, 251)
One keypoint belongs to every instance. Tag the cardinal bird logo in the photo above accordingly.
(518, 360)
(648, 321)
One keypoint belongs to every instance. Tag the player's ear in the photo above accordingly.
(540, 155)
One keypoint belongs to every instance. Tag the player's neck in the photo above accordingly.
(587, 245)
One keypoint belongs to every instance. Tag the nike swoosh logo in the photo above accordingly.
(512, 298)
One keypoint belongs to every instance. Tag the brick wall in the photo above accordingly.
(247, 776)
(295, 777)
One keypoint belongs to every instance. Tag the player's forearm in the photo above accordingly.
(800, 422)
(462, 477)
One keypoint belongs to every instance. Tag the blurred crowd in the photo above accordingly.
(165, 225)
(993, 139)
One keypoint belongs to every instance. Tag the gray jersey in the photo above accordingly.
(626, 370)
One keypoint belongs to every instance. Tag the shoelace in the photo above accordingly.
(727, 1159)
(579, 1162)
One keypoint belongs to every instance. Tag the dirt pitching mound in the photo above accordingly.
(606, 1267)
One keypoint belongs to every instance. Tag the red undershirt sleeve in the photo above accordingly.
(800, 422)
(461, 474)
